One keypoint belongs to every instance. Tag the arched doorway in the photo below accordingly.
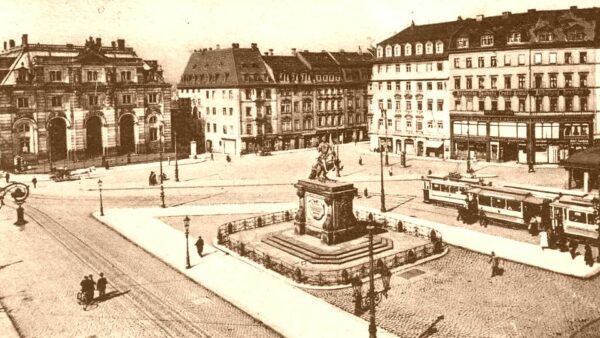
(93, 136)
(57, 132)
(126, 134)
(209, 146)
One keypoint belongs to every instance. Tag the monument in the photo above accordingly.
(325, 210)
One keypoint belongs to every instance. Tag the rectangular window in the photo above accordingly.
(224, 111)
(389, 85)
(553, 104)
(231, 111)
(457, 83)
(440, 86)
(456, 63)
(538, 81)
(507, 60)
(514, 37)
(583, 57)
(568, 80)
(583, 103)
(248, 111)
(397, 68)
(553, 81)
(419, 86)
(568, 58)
(521, 59)
(93, 100)
(429, 86)
(214, 111)
(507, 82)
(480, 62)
(440, 66)
(214, 127)
(408, 85)
(440, 105)
(152, 98)
(22, 102)
(469, 83)
(408, 67)
(92, 75)
(419, 105)
(126, 99)
(493, 61)
(57, 101)
(552, 59)
(208, 127)
(469, 63)
(224, 129)
(457, 105)
(521, 81)
(408, 106)
(568, 104)
(480, 82)
(55, 76)
(537, 58)
(494, 81)
(583, 80)
(429, 105)
(521, 104)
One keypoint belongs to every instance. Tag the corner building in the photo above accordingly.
(520, 87)
(248, 101)
(68, 102)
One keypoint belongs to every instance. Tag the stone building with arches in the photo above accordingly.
(69, 102)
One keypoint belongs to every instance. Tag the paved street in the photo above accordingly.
(70, 244)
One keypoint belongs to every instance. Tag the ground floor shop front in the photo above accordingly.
(527, 140)
(416, 146)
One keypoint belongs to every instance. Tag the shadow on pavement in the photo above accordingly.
(110, 295)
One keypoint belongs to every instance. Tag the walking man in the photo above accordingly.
(200, 245)
(101, 286)
(530, 170)
(495, 264)
(34, 181)
(360, 160)
(7, 176)
(211, 156)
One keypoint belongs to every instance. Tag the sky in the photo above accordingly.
(169, 30)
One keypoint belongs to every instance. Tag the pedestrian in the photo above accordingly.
(543, 239)
(530, 169)
(211, 156)
(152, 178)
(7, 176)
(169, 160)
(228, 158)
(390, 171)
(588, 257)
(101, 285)
(534, 226)
(360, 160)
(573, 248)
(34, 181)
(366, 192)
(495, 264)
(200, 245)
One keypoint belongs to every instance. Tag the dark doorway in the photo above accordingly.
(57, 131)
(509, 152)
(126, 133)
(93, 136)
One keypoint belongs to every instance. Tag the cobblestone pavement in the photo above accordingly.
(523, 302)
(151, 299)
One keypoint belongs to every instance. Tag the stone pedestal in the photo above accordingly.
(325, 209)
(193, 149)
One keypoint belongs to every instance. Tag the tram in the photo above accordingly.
(449, 190)
(576, 215)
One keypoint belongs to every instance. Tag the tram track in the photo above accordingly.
(160, 311)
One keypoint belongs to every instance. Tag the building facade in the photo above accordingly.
(75, 102)
(273, 102)
(519, 87)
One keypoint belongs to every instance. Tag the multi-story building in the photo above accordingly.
(409, 97)
(74, 102)
(276, 102)
(521, 87)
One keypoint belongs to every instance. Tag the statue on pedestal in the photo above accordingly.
(325, 162)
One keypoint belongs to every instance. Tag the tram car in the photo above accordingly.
(507, 206)
(576, 215)
(449, 190)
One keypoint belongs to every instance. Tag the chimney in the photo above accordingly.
(271, 51)
(11, 43)
(99, 42)
(235, 45)
(218, 46)
(209, 48)
(505, 14)
(121, 44)
(459, 18)
(24, 40)
(323, 51)
(294, 51)
(573, 8)
(531, 10)
(113, 44)
(254, 45)
(306, 51)
(266, 53)
(341, 50)
(479, 18)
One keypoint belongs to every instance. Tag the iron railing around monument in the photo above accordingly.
(305, 275)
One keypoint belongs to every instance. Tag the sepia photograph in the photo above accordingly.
(299, 169)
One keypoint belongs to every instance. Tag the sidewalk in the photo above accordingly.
(505, 248)
(287, 309)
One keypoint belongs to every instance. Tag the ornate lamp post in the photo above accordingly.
(176, 165)
(100, 189)
(381, 172)
(372, 298)
(186, 223)
(162, 189)
(19, 193)
(384, 117)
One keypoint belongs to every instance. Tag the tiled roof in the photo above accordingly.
(588, 158)
(6, 62)
(318, 59)
(285, 64)
(423, 33)
(352, 58)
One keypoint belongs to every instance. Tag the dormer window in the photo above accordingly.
(388, 51)
(429, 48)
(407, 49)
(462, 43)
(487, 40)
(397, 49)
(575, 35)
(546, 36)
(379, 52)
(439, 47)
(514, 37)
(419, 48)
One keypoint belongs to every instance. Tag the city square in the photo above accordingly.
(433, 171)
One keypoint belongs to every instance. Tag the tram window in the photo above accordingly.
(444, 188)
(578, 217)
(513, 205)
(435, 187)
(499, 203)
(453, 189)
(591, 219)
(485, 200)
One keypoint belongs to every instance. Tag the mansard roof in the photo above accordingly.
(285, 64)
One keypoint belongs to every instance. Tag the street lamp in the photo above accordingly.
(186, 223)
(372, 298)
(381, 172)
(100, 189)
(176, 165)
(384, 116)
(469, 144)
(162, 189)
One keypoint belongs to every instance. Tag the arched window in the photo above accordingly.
(407, 49)
(439, 47)
(429, 48)
(155, 128)
(379, 52)
(388, 51)
(25, 138)
(419, 49)
(397, 49)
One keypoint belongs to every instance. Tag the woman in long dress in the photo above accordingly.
(543, 239)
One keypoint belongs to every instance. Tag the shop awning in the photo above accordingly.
(434, 143)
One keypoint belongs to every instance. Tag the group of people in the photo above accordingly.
(152, 180)
(88, 286)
